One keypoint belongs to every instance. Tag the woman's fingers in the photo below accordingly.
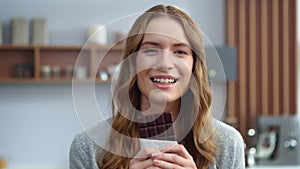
(139, 163)
(174, 157)
(142, 159)
(177, 149)
(145, 153)
(169, 160)
(166, 165)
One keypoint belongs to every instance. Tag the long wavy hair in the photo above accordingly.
(126, 97)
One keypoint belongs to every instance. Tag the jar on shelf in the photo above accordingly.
(81, 72)
(68, 71)
(56, 71)
(24, 70)
(19, 70)
(46, 71)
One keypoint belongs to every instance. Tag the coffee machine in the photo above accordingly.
(277, 140)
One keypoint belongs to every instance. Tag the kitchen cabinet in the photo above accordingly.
(54, 64)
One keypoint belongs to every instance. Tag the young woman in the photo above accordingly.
(163, 71)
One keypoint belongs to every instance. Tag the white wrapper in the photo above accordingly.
(156, 144)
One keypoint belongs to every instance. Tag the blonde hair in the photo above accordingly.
(203, 152)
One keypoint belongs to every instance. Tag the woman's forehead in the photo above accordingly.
(165, 27)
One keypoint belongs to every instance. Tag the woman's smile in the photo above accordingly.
(163, 81)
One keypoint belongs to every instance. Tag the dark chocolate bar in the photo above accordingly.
(156, 126)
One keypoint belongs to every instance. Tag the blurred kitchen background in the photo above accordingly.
(38, 119)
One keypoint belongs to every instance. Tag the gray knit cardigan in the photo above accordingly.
(230, 146)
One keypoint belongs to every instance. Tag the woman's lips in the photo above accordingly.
(163, 81)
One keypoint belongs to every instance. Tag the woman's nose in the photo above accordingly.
(165, 60)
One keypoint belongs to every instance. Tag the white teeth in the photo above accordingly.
(161, 80)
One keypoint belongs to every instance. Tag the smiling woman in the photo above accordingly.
(164, 70)
(164, 57)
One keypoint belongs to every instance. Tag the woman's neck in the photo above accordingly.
(153, 108)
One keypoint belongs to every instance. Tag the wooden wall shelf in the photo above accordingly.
(27, 64)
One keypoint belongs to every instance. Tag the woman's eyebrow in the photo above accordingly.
(150, 43)
(158, 44)
(182, 44)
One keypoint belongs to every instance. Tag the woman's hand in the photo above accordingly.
(143, 159)
(174, 157)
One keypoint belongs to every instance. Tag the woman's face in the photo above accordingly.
(164, 62)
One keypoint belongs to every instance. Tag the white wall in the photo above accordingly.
(38, 121)
(69, 20)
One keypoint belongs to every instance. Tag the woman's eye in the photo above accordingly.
(150, 51)
(180, 52)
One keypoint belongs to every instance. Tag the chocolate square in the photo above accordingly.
(156, 126)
